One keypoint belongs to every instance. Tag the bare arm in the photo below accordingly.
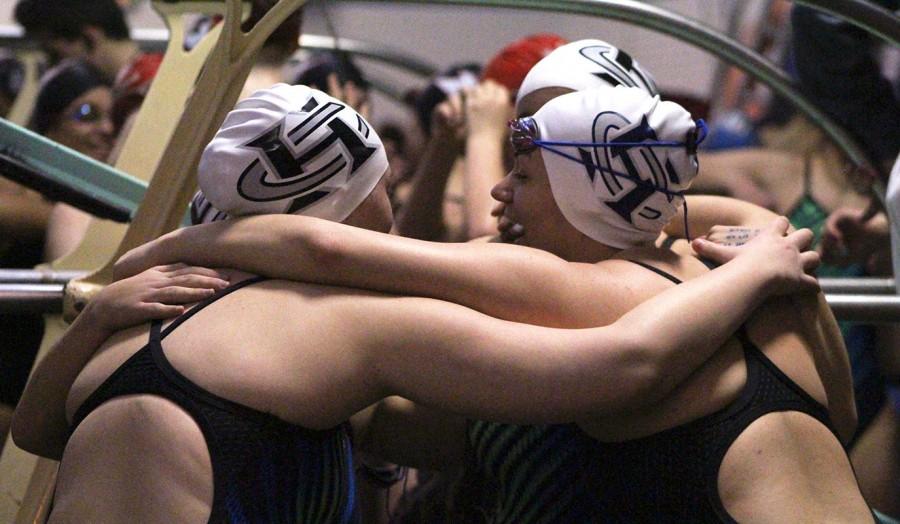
(453, 358)
(422, 215)
(488, 109)
(496, 279)
(39, 424)
(705, 211)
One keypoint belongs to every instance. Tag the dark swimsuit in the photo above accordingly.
(264, 469)
(558, 473)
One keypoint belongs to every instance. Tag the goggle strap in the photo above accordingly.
(613, 172)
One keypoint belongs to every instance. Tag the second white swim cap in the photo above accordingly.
(585, 64)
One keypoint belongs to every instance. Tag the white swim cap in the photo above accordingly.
(632, 206)
(586, 64)
(290, 149)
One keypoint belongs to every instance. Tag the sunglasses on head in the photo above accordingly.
(87, 113)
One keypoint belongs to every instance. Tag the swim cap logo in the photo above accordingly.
(296, 176)
(630, 203)
(619, 69)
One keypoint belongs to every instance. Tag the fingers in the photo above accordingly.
(715, 252)
(810, 260)
(173, 295)
(334, 86)
(162, 311)
(197, 281)
(809, 283)
(779, 226)
(169, 268)
(801, 239)
(196, 270)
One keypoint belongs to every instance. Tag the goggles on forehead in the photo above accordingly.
(524, 137)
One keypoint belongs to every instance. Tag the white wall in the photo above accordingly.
(444, 35)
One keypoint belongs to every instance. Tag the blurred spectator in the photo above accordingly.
(331, 72)
(73, 108)
(91, 30)
(430, 205)
(509, 67)
(12, 76)
(472, 120)
(838, 69)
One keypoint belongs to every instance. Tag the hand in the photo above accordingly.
(488, 109)
(853, 235)
(783, 257)
(448, 120)
(157, 293)
(353, 95)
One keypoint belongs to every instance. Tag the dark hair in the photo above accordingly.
(67, 19)
(59, 88)
(12, 76)
(434, 94)
(314, 67)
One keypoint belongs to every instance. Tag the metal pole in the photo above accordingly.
(858, 286)
(865, 308)
(31, 298)
(38, 276)
(47, 298)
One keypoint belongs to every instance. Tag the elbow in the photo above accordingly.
(27, 435)
(642, 378)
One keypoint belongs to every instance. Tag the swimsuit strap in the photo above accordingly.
(157, 324)
(656, 270)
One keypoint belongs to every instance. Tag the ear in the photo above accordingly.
(93, 36)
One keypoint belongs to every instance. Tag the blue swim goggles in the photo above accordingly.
(524, 139)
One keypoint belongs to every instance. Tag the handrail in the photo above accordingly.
(48, 298)
(858, 286)
(834, 286)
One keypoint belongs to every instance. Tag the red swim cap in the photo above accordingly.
(512, 63)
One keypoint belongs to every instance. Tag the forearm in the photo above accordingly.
(317, 251)
(23, 215)
(704, 212)
(39, 424)
(483, 169)
(422, 215)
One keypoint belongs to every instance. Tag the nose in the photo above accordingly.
(502, 191)
(105, 126)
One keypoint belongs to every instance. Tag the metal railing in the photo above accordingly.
(861, 299)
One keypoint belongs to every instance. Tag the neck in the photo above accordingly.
(587, 250)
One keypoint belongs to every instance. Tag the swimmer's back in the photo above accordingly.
(765, 469)
(151, 453)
